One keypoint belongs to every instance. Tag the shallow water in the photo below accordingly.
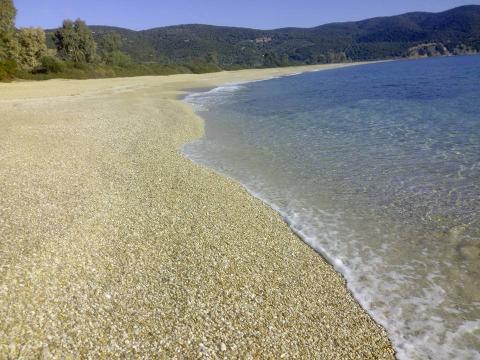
(378, 168)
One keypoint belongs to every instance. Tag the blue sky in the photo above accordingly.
(263, 14)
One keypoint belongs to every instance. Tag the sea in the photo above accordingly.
(377, 168)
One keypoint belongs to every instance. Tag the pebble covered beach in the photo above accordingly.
(113, 245)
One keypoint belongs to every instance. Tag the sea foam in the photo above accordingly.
(382, 183)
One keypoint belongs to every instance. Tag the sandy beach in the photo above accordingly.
(113, 245)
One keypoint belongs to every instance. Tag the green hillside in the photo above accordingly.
(456, 31)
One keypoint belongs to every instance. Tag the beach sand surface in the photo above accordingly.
(113, 245)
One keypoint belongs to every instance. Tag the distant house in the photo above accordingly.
(263, 40)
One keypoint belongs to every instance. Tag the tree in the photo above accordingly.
(7, 28)
(31, 48)
(285, 61)
(212, 58)
(111, 42)
(7, 16)
(270, 60)
(75, 42)
(110, 50)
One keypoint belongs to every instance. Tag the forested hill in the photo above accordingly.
(456, 31)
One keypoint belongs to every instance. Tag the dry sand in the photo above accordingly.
(113, 245)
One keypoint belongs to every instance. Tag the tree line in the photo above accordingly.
(75, 52)
(25, 49)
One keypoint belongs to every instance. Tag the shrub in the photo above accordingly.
(30, 49)
(7, 70)
(51, 64)
(78, 65)
(117, 58)
(198, 67)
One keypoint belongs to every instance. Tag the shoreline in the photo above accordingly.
(119, 245)
(291, 225)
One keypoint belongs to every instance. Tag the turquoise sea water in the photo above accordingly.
(377, 167)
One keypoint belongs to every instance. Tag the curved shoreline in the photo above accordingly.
(113, 244)
(291, 224)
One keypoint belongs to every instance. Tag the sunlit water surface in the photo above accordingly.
(378, 168)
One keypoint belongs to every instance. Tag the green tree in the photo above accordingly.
(7, 41)
(111, 42)
(110, 52)
(285, 61)
(270, 59)
(7, 16)
(75, 42)
(212, 58)
(31, 48)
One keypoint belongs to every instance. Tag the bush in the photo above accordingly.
(198, 67)
(30, 48)
(7, 70)
(79, 65)
(118, 58)
(51, 64)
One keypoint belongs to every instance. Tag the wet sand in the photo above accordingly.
(112, 244)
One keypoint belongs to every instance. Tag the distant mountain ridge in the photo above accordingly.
(456, 31)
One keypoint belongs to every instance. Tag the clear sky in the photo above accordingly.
(263, 14)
